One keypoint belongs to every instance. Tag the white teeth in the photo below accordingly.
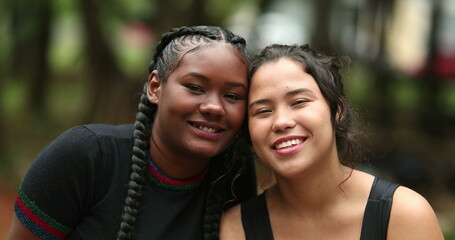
(288, 143)
(212, 130)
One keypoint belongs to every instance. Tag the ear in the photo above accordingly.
(338, 115)
(154, 87)
(340, 112)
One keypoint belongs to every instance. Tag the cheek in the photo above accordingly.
(316, 116)
(324, 118)
(257, 132)
(260, 151)
(180, 102)
(236, 115)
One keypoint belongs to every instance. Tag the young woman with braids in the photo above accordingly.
(300, 123)
(168, 176)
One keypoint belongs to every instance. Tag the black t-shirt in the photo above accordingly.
(77, 186)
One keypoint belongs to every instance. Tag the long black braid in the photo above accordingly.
(227, 184)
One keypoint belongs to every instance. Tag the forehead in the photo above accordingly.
(213, 50)
(215, 53)
(282, 75)
(214, 60)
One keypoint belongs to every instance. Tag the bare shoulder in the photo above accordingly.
(412, 217)
(231, 224)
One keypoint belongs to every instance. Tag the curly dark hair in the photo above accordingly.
(231, 174)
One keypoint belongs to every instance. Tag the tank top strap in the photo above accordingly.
(255, 219)
(377, 211)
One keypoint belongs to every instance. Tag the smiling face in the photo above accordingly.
(202, 105)
(289, 119)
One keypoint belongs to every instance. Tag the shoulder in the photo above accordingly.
(78, 155)
(87, 134)
(231, 224)
(87, 138)
(412, 217)
(75, 142)
(75, 172)
(119, 131)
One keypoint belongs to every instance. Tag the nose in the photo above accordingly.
(212, 106)
(283, 121)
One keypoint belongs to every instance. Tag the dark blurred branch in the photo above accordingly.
(30, 31)
(197, 14)
(321, 38)
(5, 160)
(431, 82)
(109, 98)
(39, 75)
(383, 74)
(17, 25)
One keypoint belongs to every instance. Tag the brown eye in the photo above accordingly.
(194, 88)
(299, 102)
(261, 111)
(233, 96)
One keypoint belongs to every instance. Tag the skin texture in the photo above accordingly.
(208, 89)
(291, 101)
(19, 232)
(308, 201)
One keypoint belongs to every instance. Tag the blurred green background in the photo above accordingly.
(71, 62)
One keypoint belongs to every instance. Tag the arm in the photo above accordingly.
(51, 197)
(231, 225)
(19, 232)
(412, 217)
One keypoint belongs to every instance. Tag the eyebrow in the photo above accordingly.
(300, 90)
(197, 75)
(202, 77)
(290, 93)
(259, 101)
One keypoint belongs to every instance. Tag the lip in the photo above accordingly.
(207, 133)
(290, 149)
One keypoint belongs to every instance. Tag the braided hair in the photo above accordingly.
(224, 168)
(326, 72)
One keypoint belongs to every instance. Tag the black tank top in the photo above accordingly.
(256, 221)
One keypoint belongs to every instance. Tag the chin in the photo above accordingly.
(209, 150)
(206, 152)
(288, 171)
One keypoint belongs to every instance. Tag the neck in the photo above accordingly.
(311, 193)
(174, 164)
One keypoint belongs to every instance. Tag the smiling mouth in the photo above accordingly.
(207, 129)
(288, 143)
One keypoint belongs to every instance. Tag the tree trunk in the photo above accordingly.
(197, 15)
(30, 31)
(5, 160)
(431, 81)
(166, 16)
(383, 73)
(109, 101)
(39, 49)
(320, 36)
